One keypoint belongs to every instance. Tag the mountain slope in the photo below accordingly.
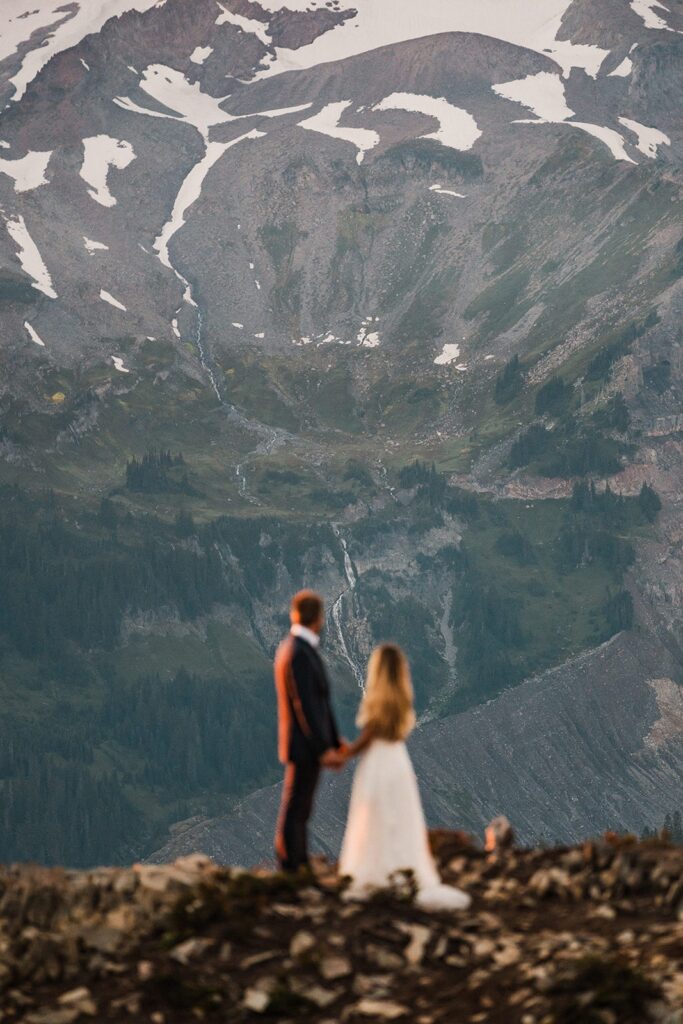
(303, 248)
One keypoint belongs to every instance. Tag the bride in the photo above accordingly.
(386, 833)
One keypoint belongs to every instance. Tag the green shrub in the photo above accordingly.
(553, 398)
(509, 381)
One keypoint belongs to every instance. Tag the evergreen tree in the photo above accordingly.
(158, 472)
(184, 524)
(553, 398)
(509, 381)
(530, 444)
(619, 611)
(108, 514)
(649, 502)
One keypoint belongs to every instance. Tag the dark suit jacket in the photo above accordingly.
(306, 722)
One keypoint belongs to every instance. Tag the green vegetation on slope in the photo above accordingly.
(135, 683)
(539, 582)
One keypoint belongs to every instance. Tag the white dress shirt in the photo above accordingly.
(305, 633)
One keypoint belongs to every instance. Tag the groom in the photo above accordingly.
(307, 731)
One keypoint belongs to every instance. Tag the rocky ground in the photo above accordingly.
(592, 933)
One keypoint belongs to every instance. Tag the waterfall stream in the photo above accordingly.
(208, 369)
(338, 606)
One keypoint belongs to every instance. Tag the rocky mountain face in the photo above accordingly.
(585, 933)
(316, 249)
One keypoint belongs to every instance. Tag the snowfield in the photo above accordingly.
(249, 25)
(33, 334)
(100, 152)
(612, 139)
(172, 90)
(20, 18)
(29, 256)
(28, 172)
(544, 95)
(108, 297)
(649, 139)
(533, 24)
(623, 70)
(200, 54)
(93, 247)
(441, 191)
(449, 353)
(458, 129)
(646, 10)
(326, 122)
(190, 103)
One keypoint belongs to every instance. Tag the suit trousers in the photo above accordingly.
(298, 792)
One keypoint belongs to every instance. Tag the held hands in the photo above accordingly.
(336, 758)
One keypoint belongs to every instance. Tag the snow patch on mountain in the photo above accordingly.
(249, 25)
(21, 18)
(277, 112)
(108, 297)
(92, 246)
(326, 122)
(542, 93)
(172, 90)
(100, 153)
(458, 129)
(33, 334)
(612, 139)
(645, 10)
(191, 104)
(126, 103)
(623, 70)
(119, 365)
(29, 171)
(86, 18)
(449, 353)
(533, 24)
(367, 337)
(29, 256)
(649, 139)
(200, 54)
(441, 191)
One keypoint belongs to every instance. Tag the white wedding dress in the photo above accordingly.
(386, 832)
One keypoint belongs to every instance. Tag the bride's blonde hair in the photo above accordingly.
(387, 705)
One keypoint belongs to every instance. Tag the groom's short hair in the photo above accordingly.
(307, 607)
